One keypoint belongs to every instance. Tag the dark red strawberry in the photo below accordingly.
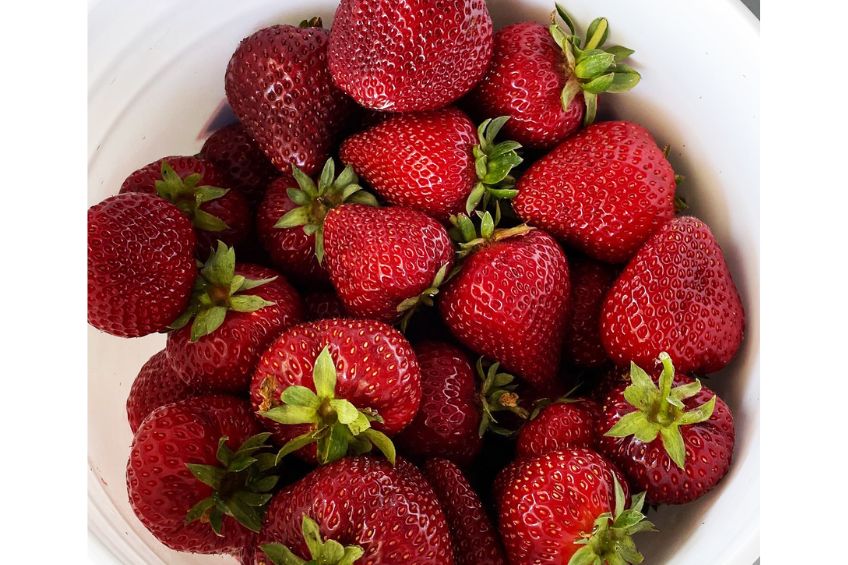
(198, 475)
(590, 282)
(327, 382)
(409, 56)
(384, 262)
(547, 80)
(236, 154)
(238, 309)
(603, 191)
(359, 509)
(436, 162)
(559, 425)
(675, 295)
(475, 540)
(279, 86)
(322, 304)
(157, 384)
(674, 440)
(199, 189)
(140, 264)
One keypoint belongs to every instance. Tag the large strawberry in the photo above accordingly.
(674, 440)
(547, 80)
(140, 264)
(235, 154)
(603, 191)
(675, 295)
(590, 282)
(279, 86)
(567, 423)
(157, 384)
(435, 162)
(409, 56)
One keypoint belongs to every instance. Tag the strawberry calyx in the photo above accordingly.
(592, 68)
(314, 201)
(542, 403)
(185, 194)
(497, 394)
(465, 233)
(338, 427)
(217, 290)
(241, 484)
(408, 306)
(329, 552)
(660, 410)
(314, 21)
(493, 163)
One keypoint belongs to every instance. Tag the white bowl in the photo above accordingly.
(156, 87)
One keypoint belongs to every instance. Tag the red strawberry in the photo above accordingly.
(197, 187)
(383, 262)
(590, 282)
(189, 474)
(328, 381)
(475, 540)
(238, 310)
(604, 191)
(367, 511)
(435, 162)
(157, 384)
(279, 86)
(676, 443)
(409, 56)
(567, 507)
(236, 154)
(322, 304)
(140, 264)
(559, 425)
(675, 295)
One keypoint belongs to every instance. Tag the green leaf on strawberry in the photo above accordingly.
(329, 552)
(497, 394)
(493, 163)
(186, 195)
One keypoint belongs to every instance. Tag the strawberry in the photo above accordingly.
(603, 191)
(358, 509)
(675, 441)
(475, 540)
(434, 161)
(157, 384)
(196, 186)
(279, 86)
(590, 282)
(675, 295)
(234, 153)
(409, 56)
(567, 507)
(547, 79)
(559, 425)
(238, 309)
(140, 264)
(322, 304)
(327, 382)
(384, 262)
(197, 475)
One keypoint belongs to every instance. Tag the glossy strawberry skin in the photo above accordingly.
(509, 303)
(378, 257)
(409, 56)
(590, 282)
(561, 425)
(224, 360)
(279, 86)
(422, 161)
(322, 304)
(676, 295)
(160, 486)
(234, 153)
(390, 512)
(603, 191)
(140, 264)
(157, 384)
(525, 82)
(448, 419)
(475, 540)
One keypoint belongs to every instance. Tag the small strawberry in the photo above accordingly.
(235, 154)
(322, 304)
(140, 264)
(675, 295)
(603, 191)
(590, 282)
(434, 161)
(409, 56)
(157, 384)
(559, 425)
(675, 441)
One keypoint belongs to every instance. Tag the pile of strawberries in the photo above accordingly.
(421, 308)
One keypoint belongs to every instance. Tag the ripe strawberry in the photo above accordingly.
(234, 153)
(676, 443)
(140, 264)
(328, 381)
(435, 162)
(384, 262)
(603, 191)
(474, 537)
(590, 282)
(567, 507)
(196, 477)
(279, 86)
(157, 384)
(409, 56)
(559, 425)
(196, 186)
(367, 510)
(322, 304)
(231, 328)
(548, 80)
(675, 295)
